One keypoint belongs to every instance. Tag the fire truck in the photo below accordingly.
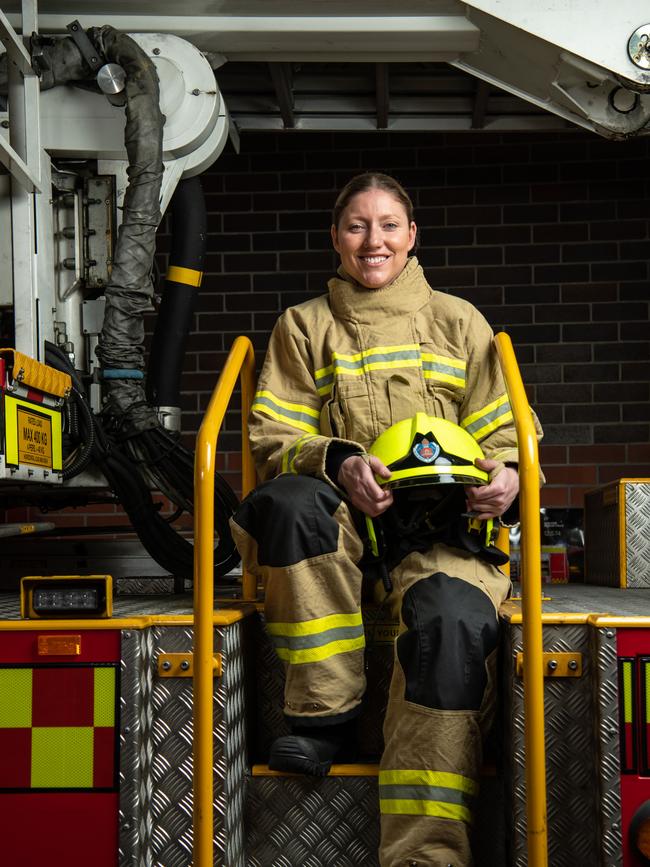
(134, 728)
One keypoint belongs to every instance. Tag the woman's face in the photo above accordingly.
(373, 238)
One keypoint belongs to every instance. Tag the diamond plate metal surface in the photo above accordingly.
(572, 785)
(156, 758)
(637, 534)
(607, 738)
(135, 723)
(297, 822)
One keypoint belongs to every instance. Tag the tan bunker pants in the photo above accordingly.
(296, 534)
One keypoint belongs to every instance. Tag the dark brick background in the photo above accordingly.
(547, 233)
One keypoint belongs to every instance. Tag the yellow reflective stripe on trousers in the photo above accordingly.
(417, 777)
(296, 415)
(427, 793)
(317, 639)
(425, 808)
(437, 367)
(489, 418)
(317, 654)
(289, 457)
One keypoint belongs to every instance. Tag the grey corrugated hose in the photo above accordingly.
(130, 290)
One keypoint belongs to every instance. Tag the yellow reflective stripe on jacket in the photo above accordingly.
(444, 369)
(296, 415)
(289, 457)
(491, 417)
(390, 357)
(427, 793)
(318, 639)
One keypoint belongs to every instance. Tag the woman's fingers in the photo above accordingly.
(357, 478)
(493, 499)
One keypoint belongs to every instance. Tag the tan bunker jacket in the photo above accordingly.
(349, 364)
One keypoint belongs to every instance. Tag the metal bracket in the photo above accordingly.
(88, 51)
(556, 664)
(182, 665)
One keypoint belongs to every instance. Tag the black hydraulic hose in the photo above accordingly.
(174, 320)
(83, 459)
(59, 361)
(163, 543)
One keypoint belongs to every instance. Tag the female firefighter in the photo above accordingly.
(379, 348)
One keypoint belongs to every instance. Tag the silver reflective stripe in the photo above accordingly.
(426, 793)
(489, 418)
(282, 410)
(300, 642)
(444, 368)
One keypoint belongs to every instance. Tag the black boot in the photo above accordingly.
(312, 749)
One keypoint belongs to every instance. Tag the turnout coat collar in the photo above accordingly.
(406, 294)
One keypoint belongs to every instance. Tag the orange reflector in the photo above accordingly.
(59, 645)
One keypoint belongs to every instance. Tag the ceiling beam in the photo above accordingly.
(281, 77)
(297, 38)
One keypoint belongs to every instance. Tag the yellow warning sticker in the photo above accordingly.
(34, 437)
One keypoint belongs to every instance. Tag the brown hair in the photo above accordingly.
(371, 181)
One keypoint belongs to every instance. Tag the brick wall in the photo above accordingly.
(546, 233)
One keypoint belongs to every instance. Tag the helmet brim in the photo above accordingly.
(451, 475)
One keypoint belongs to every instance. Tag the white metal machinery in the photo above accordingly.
(75, 159)
(586, 62)
(79, 125)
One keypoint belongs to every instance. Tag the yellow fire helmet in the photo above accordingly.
(424, 450)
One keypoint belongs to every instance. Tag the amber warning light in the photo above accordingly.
(66, 596)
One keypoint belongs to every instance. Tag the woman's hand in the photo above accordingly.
(492, 500)
(357, 478)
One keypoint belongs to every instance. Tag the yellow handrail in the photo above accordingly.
(240, 363)
(531, 593)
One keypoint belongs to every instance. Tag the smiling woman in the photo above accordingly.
(381, 349)
(373, 234)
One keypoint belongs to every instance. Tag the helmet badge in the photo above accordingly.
(426, 451)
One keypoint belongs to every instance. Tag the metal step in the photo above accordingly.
(296, 821)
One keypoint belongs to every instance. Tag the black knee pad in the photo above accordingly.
(291, 519)
(451, 630)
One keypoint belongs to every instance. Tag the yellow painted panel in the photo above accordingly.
(104, 697)
(34, 374)
(13, 406)
(627, 692)
(62, 757)
(15, 698)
